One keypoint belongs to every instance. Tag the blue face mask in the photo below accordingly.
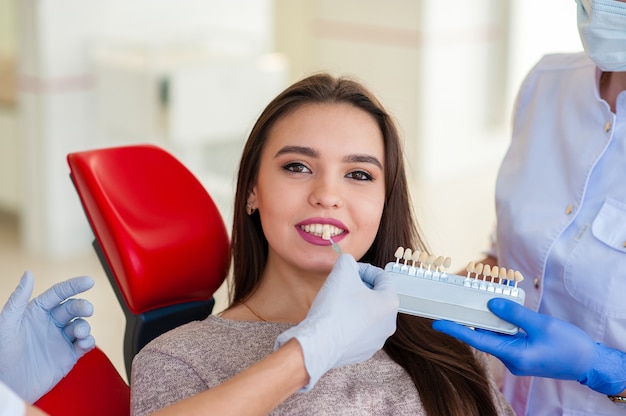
(602, 29)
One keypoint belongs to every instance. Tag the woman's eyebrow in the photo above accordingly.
(363, 158)
(302, 150)
(308, 151)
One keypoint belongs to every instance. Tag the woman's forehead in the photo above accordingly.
(327, 126)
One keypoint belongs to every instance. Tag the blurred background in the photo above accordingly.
(192, 76)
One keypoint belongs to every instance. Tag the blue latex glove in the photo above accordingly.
(350, 319)
(41, 340)
(547, 347)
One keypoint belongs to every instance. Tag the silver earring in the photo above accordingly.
(250, 209)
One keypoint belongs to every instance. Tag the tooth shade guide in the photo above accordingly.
(454, 297)
(414, 258)
(439, 262)
(407, 256)
(491, 287)
(429, 262)
(517, 276)
(398, 255)
(502, 275)
(445, 265)
(433, 267)
(326, 232)
(510, 277)
(470, 269)
(335, 246)
(423, 258)
(494, 272)
(478, 269)
(486, 271)
(326, 236)
(468, 279)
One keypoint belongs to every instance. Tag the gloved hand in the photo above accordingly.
(41, 340)
(350, 319)
(547, 347)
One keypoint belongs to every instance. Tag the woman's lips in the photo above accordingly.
(318, 231)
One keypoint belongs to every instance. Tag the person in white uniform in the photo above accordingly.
(561, 221)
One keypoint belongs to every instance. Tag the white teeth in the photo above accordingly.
(325, 231)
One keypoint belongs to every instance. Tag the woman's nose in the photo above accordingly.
(326, 193)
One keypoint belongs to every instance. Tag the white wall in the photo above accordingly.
(56, 100)
(539, 27)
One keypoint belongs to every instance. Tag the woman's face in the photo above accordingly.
(322, 165)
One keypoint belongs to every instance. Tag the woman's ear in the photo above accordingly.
(251, 204)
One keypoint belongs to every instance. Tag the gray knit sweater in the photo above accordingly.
(202, 354)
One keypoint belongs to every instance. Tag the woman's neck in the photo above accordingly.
(286, 295)
(611, 85)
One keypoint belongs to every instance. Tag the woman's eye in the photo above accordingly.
(296, 167)
(359, 175)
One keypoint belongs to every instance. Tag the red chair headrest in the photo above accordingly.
(159, 229)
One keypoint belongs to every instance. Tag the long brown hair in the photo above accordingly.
(446, 373)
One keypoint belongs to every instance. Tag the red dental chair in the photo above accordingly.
(93, 387)
(159, 236)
